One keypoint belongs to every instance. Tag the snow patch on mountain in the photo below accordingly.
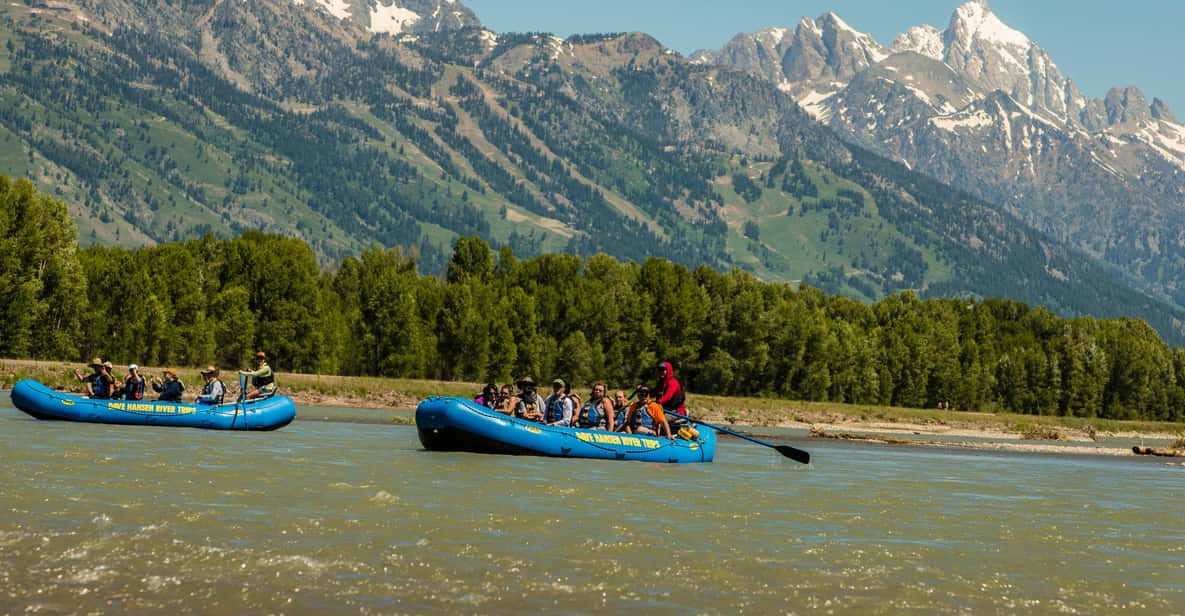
(1166, 138)
(338, 8)
(976, 119)
(392, 19)
(814, 103)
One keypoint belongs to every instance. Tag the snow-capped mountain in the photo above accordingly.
(982, 106)
(399, 16)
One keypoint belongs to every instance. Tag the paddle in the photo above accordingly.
(239, 401)
(797, 455)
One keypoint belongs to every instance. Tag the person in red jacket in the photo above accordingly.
(668, 390)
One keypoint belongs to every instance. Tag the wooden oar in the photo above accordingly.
(795, 454)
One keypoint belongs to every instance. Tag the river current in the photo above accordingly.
(338, 517)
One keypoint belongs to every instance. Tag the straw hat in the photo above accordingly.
(95, 362)
(210, 370)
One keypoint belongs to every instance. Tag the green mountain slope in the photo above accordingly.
(158, 121)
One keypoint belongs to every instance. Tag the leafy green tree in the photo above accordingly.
(472, 258)
(234, 329)
(42, 286)
(391, 332)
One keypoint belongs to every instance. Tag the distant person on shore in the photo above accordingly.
(558, 405)
(263, 380)
(214, 391)
(99, 383)
(529, 405)
(170, 388)
(133, 385)
(597, 413)
(488, 396)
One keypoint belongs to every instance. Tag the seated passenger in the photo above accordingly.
(170, 389)
(116, 383)
(506, 400)
(529, 403)
(263, 380)
(558, 406)
(488, 396)
(621, 405)
(598, 411)
(575, 400)
(99, 383)
(646, 416)
(133, 385)
(214, 391)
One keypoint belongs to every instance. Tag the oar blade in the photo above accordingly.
(797, 455)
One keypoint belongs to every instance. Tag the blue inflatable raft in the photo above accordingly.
(458, 424)
(45, 403)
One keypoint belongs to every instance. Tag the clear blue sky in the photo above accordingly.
(1099, 44)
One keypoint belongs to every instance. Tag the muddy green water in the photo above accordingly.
(334, 517)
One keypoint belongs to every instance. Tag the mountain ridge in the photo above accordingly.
(204, 117)
(1118, 196)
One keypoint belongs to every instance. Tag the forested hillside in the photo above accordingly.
(160, 121)
(496, 317)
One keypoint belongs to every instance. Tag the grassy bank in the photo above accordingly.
(389, 393)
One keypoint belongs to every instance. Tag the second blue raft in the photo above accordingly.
(459, 424)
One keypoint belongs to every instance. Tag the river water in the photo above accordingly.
(338, 517)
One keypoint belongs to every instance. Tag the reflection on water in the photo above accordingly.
(340, 517)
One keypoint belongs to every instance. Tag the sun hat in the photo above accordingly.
(210, 370)
(133, 367)
(526, 380)
(108, 365)
(558, 382)
(96, 362)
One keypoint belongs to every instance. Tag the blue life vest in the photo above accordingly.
(642, 418)
(99, 388)
(555, 409)
(593, 415)
(209, 389)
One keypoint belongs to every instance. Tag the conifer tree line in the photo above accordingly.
(494, 317)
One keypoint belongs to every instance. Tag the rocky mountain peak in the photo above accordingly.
(1161, 111)
(828, 48)
(924, 39)
(1126, 105)
(759, 53)
(974, 23)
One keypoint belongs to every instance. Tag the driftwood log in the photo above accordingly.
(1168, 452)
